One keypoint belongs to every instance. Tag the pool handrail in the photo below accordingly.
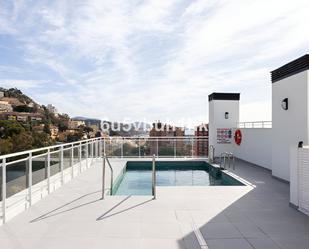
(105, 159)
(154, 193)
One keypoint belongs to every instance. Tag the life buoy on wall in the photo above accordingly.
(238, 137)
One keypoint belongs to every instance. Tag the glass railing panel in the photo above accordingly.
(130, 147)
(16, 176)
(67, 152)
(75, 154)
(147, 147)
(167, 147)
(55, 160)
(39, 167)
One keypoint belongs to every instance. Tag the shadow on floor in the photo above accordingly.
(54, 212)
(261, 219)
(107, 213)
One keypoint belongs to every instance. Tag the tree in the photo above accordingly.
(8, 128)
(46, 129)
(6, 146)
(41, 140)
(22, 141)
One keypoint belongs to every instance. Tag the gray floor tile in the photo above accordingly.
(263, 243)
(220, 230)
(228, 244)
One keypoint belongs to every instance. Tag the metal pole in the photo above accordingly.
(139, 148)
(3, 190)
(122, 139)
(104, 146)
(154, 177)
(100, 147)
(61, 165)
(80, 157)
(158, 147)
(103, 177)
(233, 162)
(30, 178)
(87, 154)
(72, 160)
(174, 148)
(48, 170)
(192, 148)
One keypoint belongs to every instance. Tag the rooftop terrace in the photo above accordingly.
(74, 216)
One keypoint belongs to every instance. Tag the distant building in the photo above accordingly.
(201, 140)
(75, 124)
(1, 95)
(22, 116)
(51, 109)
(54, 132)
(168, 138)
(5, 106)
(95, 127)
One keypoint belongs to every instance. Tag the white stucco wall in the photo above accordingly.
(217, 109)
(255, 146)
(288, 126)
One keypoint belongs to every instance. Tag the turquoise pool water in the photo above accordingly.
(137, 177)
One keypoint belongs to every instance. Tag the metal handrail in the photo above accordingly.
(254, 124)
(229, 156)
(154, 178)
(105, 159)
(211, 154)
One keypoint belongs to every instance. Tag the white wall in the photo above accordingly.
(217, 109)
(288, 126)
(255, 146)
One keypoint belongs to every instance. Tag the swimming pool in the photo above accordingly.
(137, 176)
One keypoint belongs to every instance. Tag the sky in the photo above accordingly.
(130, 60)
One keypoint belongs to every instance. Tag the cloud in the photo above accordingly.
(153, 59)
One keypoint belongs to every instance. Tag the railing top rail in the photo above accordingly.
(46, 148)
(254, 124)
(58, 146)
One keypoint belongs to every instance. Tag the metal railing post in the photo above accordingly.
(100, 147)
(158, 147)
(154, 177)
(139, 148)
(174, 147)
(48, 171)
(80, 157)
(30, 178)
(103, 176)
(61, 165)
(87, 154)
(3, 190)
(72, 161)
(122, 139)
(104, 146)
(192, 147)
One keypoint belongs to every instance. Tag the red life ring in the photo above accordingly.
(238, 137)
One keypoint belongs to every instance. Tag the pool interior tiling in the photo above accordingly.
(137, 176)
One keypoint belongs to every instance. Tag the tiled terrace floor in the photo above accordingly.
(227, 217)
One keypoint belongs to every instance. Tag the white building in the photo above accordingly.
(51, 109)
(223, 117)
(279, 146)
(1, 95)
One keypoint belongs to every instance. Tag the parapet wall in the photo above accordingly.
(255, 147)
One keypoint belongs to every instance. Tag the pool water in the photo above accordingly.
(137, 178)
